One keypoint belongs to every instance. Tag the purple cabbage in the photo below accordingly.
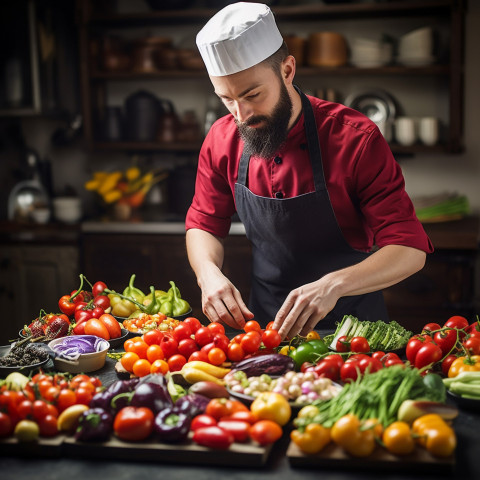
(71, 348)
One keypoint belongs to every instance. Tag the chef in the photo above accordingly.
(315, 184)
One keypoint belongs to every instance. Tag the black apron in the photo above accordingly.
(297, 241)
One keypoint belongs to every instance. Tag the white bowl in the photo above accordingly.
(67, 209)
(40, 215)
(87, 362)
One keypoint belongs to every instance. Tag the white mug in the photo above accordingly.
(405, 131)
(428, 130)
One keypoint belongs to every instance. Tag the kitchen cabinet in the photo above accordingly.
(157, 259)
(443, 81)
(33, 277)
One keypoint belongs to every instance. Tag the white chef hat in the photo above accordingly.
(238, 37)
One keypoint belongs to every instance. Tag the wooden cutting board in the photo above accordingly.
(381, 459)
(239, 454)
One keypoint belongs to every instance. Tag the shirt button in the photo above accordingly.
(277, 160)
(279, 195)
(303, 146)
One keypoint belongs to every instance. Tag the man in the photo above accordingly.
(314, 183)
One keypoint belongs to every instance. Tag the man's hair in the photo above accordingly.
(275, 60)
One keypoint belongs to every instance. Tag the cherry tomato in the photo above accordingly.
(216, 356)
(456, 321)
(155, 352)
(6, 425)
(271, 338)
(430, 327)
(102, 301)
(202, 420)
(235, 352)
(447, 361)
(40, 409)
(429, 353)
(252, 326)
(65, 399)
(203, 336)
(193, 322)
(359, 345)
(66, 305)
(337, 358)
(414, 345)
(472, 344)
(349, 371)
(169, 346)
(98, 288)
(159, 366)
(238, 429)
(216, 327)
(265, 432)
(343, 345)
(199, 355)
(142, 367)
(128, 360)
(187, 346)
(176, 362)
(251, 341)
(152, 337)
(97, 312)
(213, 437)
(328, 369)
(182, 331)
(378, 355)
(446, 340)
(221, 341)
(133, 424)
(48, 426)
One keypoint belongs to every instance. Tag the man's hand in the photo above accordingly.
(222, 302)
(304, 308)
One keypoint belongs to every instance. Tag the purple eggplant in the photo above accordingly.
(105, 399)
(94, 424)
(270, 363)
(192, 404)
(172, 426)
(151, 395)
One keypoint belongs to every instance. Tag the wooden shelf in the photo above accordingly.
(180, 147)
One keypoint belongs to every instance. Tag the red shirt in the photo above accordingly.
(365, 183)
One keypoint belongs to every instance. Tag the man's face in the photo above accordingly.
(261, 106)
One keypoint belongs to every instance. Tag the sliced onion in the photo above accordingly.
(71, 348)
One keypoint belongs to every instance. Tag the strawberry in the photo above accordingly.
(35, 329)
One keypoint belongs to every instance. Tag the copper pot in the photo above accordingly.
(114, 55)
(296, 47)
(327, 49)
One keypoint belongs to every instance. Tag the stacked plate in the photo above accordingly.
(416, 48)
(370, 53)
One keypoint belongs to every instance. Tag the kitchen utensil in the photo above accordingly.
(377, 105)
(405, 131)
(24, 198)
(67, 209)
(296, 47)
(428, 130)
(326, 49)
(112, 124)
(143, 111)
(146, 52)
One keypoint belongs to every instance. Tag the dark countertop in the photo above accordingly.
(467, 426)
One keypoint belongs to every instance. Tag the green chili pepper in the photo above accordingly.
(132, 292)
(180, 306)
(154, 306)
(166, 307)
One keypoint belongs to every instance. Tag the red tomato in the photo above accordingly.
(203, 336)
(216, 356)
(473, 329)
(414, 345)
(182, 331)
(153, 337)
(359, 345)
(251, 341)
(48, 426)
(265, 432)
(199, 355)
(102, 301)
(97, 312)
(349, 371)
(337, 358)
(378, 355)
(446, 340)
(238, 429)
(98, 288)
(187, 346)
(66, 305)
(66, 398)
(235, 352)
(271, 338)
(40, 409)
(6, 425)
(95, 327)
(206, 348)
(193, 323)
(213, 437)
(221, 341)
(133, 424)
(216, 327)
(343, 345)
(202, 420)
(169, 346)
(447, 361)
(429, 353)
(430, 327)
(472, 344)
(176, 362)
(269, 325)
(252, 326)
(112, 325)
(327, 368)
(457, 321)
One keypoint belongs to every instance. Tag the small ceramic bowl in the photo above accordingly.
(87, 362)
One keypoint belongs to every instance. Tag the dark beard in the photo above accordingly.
(265, 141)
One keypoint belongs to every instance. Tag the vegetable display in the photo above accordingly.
(380, 335)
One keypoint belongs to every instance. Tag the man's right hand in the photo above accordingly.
(222, 302)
